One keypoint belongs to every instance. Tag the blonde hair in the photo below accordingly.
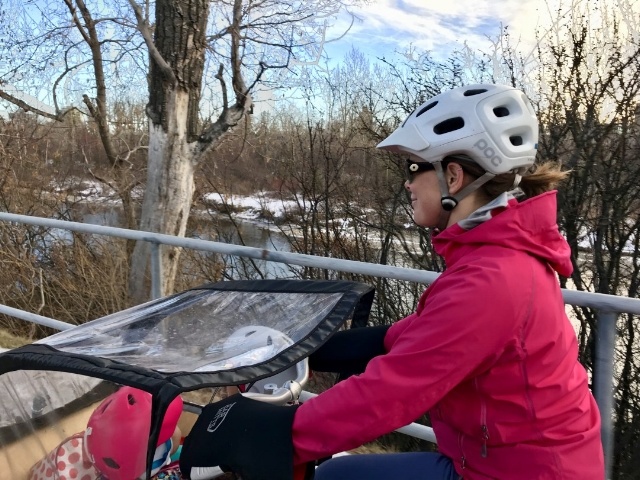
(540, 178)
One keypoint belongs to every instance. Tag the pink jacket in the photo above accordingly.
(489, 353)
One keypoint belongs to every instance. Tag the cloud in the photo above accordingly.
(438, 26)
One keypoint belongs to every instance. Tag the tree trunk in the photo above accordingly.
(166, 204)
(177, 63)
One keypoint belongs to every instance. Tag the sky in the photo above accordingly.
(383, 27)
(440, 25)
(435, 25)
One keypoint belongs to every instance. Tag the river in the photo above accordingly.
(206, 227)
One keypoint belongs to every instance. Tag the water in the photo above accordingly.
(204, 227)
(219, 229)
(249, 234)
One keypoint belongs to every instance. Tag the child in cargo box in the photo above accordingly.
(117, 434)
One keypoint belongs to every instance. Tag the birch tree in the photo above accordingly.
(201, 60)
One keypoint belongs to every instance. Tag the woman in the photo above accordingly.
(489, 352)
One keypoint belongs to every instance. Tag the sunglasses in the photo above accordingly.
(414, 168)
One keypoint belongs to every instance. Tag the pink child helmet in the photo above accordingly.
(118, 432)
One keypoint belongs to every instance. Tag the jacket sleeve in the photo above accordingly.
(459, 330)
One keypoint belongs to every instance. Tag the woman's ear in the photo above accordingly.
(455, 178)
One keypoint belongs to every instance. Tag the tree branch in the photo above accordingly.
(145, 31)
(58, 117)
(76, 21)
(243, 100)
(99, 111)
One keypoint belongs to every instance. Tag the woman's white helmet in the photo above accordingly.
(493, 125)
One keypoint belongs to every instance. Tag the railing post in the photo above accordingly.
(603, 382)
(156, 271)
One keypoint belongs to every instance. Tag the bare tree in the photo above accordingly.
(202, 61)
(590, 92)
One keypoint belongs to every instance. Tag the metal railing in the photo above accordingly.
(607, 306)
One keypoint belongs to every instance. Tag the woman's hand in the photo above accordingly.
(244, 436)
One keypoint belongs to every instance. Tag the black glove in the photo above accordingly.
(245, 436)
(349, 351)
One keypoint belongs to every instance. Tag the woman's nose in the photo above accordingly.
(406, 185)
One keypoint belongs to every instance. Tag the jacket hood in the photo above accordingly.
(528, 226)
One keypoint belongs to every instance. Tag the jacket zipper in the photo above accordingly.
(485, 437)
(463, 460)
(483, 422)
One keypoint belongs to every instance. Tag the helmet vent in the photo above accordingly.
(516, 140)
(105, 406)
(131, 400)
(449, 125)
(474, 91)
(111, 463)
(501, 111)
(426, 108)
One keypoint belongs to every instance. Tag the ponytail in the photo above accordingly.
(542, 178)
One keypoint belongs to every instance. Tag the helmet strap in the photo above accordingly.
(448, 201)
(443, 220)
(516, 181)
(85, 448)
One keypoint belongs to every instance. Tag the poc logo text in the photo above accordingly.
(488, 152)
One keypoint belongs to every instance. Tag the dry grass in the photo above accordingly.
(72, 280)
(8, 340)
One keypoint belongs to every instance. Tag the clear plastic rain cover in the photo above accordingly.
(200, 330)
(59, 397)
(56, 395)
(43, 418)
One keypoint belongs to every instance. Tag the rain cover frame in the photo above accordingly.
(138, 346)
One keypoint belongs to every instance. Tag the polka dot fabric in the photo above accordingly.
(65, 462)
(168, 474)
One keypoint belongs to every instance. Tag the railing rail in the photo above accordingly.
(607, 306)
